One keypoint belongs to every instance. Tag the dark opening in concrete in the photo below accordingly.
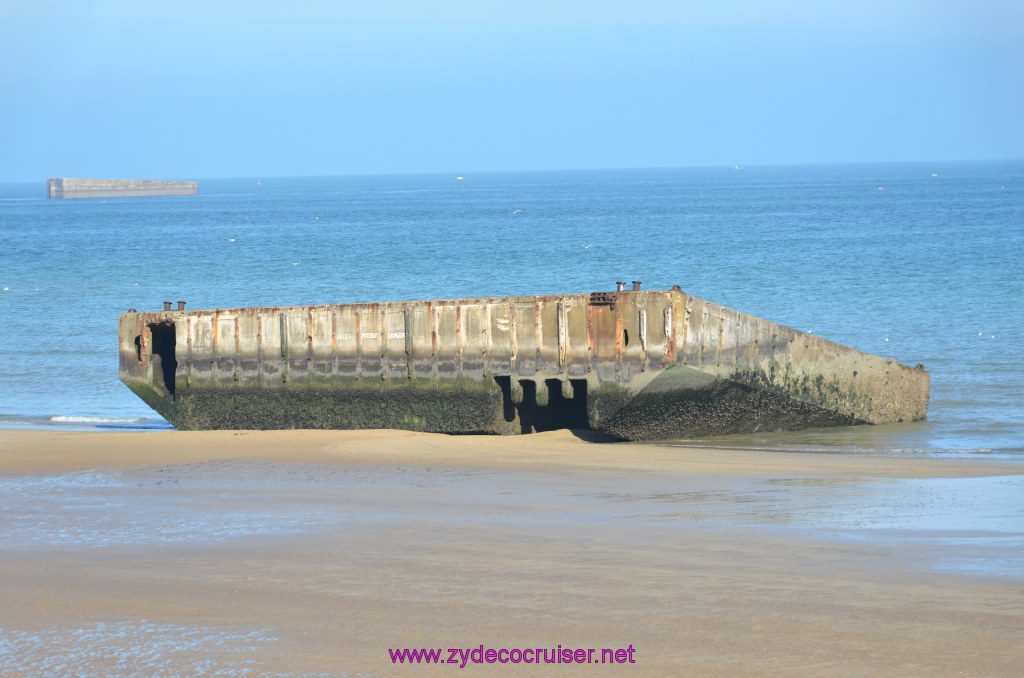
(508, 407)
(567, 412)
(163, 345)
(528, 408)
(559, 412)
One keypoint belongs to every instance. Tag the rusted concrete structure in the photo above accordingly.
(64, 188)
(637, 365)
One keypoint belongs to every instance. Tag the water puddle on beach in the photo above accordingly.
(181, 503)
(969, 525)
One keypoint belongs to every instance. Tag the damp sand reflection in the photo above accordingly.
(231, 500)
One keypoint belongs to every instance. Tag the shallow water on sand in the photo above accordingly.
(974, 525)
(223, 567)
(131, 649)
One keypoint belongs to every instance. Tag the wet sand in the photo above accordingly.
(305, 553)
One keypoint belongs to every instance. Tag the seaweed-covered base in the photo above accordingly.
(721, 408)
(283, 408)
(715, 407)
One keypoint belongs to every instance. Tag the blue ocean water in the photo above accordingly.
(923, 263)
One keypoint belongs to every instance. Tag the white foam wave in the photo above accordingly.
(67, 419)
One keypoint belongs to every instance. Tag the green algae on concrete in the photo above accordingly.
(254, 408)
(725, 407)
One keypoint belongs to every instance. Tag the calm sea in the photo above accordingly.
(923, 263)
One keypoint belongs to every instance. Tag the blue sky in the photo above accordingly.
(201, 88)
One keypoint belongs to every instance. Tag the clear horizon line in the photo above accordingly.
(464, 172)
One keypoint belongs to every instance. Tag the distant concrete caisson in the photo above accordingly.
(64, 188)
(635, 365)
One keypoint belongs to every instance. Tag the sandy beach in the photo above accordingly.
(314, 553)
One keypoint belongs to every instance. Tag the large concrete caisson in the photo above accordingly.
(637, 365)
(65, 189)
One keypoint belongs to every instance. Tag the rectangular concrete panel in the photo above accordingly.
(65, 188)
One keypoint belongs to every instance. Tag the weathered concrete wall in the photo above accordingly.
(636, 365)
(64, 188)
